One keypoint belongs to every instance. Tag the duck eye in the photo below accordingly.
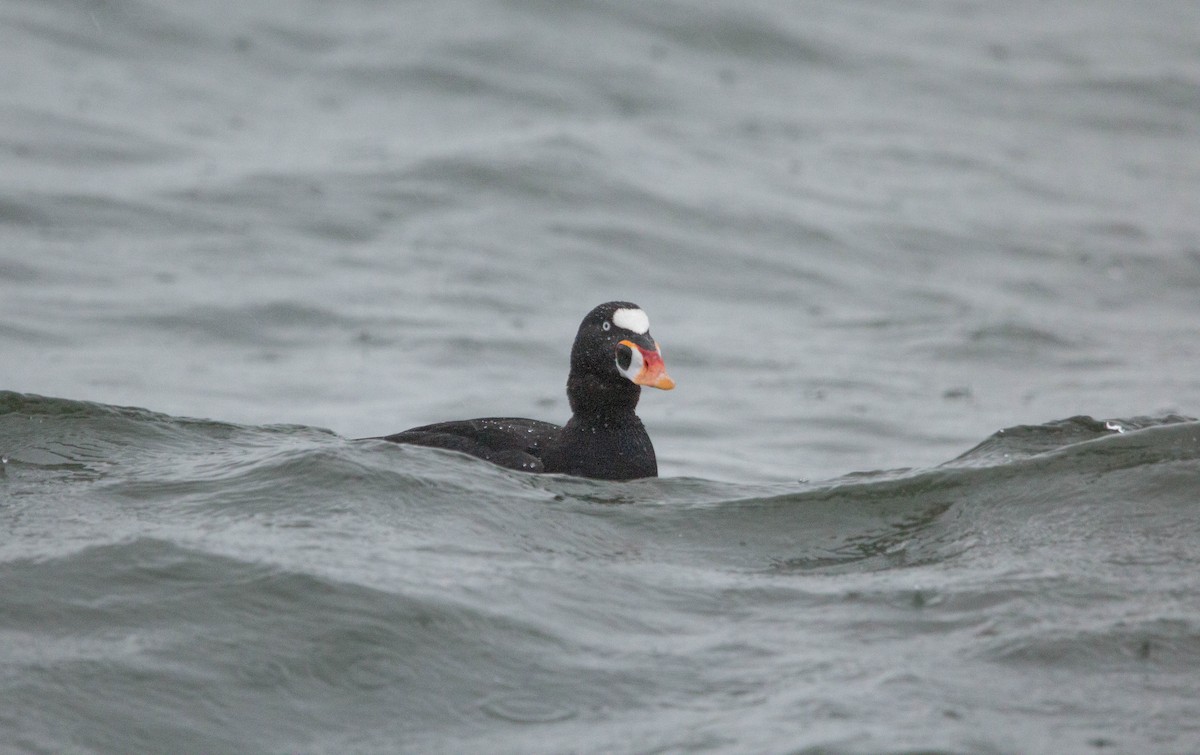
(606, 325)
(624, 356)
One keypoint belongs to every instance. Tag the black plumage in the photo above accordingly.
(612, 357)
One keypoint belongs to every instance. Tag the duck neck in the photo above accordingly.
(604, 438)
(596, 401)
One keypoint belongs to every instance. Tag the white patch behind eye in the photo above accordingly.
(634, 320)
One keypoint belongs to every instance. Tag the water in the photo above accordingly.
(868, 237)
(177, 583)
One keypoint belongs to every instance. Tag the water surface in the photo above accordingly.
(869, 236)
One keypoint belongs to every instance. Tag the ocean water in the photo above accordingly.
(927, 276)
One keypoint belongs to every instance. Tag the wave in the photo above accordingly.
(862, 521)
(280, 587)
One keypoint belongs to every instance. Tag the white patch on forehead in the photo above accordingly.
(631, 319)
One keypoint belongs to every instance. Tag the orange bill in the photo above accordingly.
(653, 372)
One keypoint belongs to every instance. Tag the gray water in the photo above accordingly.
(870, 238)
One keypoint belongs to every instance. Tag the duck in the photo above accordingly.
(612, 359)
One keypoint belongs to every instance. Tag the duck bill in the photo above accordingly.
(653, 372)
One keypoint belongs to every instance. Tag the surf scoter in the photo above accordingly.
(613, 356)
